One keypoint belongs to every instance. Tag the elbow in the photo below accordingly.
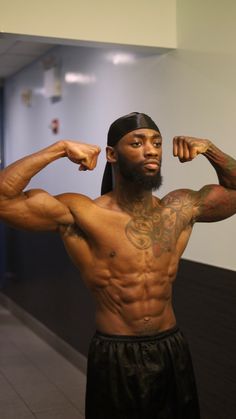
(7, 189)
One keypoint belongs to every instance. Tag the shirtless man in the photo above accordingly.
(127, 245)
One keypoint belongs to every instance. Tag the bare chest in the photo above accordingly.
(116, 241)
(149, 236)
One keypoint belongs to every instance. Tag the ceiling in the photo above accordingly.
(18, 51)
(16, 54)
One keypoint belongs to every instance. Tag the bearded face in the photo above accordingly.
(134, 173)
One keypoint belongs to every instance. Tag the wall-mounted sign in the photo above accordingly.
(26, 97)
(52, 84)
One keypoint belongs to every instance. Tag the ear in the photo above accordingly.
(111, 154)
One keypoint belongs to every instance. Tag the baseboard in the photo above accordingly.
(73, 356)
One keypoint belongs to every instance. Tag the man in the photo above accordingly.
(127, 245)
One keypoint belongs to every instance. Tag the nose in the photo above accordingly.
(150, 150)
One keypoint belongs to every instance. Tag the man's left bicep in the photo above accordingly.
(215, 203)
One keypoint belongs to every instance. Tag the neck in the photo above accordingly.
(132, 198)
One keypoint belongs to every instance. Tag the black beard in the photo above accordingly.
(133, 174)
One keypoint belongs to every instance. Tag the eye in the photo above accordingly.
(157, 144)
(136, 144)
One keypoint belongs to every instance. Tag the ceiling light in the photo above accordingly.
(121, 58)
(79, 78)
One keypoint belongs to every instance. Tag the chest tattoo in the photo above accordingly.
(159, 228)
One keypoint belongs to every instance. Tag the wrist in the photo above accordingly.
(64, 147)
(210, 148)
(61, 148)
(54, 151)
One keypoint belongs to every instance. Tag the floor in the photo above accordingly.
(35, 380)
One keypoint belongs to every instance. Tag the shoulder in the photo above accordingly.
(81, 207)
(180, 197)
(183, 202)
(83, 210)
(105, 201)
(75, 199)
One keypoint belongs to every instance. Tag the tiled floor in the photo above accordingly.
(36, 381)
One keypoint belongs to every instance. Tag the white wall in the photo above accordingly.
(201, 85)
(134, 22)
(189, 91)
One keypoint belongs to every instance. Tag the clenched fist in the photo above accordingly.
(85, 155)
(187, 148)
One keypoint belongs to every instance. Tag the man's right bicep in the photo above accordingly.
(35, 210)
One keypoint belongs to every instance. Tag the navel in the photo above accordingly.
(112, 254)
(146, 319)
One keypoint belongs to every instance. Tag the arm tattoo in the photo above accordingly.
(224, 165)
(215, 203)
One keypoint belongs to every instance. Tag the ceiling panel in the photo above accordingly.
(16, 54)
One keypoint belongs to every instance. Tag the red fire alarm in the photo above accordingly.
(55, 126)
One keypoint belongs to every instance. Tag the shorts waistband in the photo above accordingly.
(137, 338)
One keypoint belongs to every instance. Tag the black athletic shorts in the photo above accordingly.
(141, 377)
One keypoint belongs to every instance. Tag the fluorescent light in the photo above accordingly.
(79, 78)
(121, 58)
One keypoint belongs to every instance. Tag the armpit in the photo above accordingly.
(70, 230)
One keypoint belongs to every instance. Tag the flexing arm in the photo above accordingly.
(212, 202)
(36, 209)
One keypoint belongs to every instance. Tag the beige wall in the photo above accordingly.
(197, 89)
(207, 25)
(135, 22)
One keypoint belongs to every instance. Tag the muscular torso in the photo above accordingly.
(129, 261)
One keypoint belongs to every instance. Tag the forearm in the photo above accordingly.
(224, 165)
(15, 177)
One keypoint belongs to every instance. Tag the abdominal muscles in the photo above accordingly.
(135, 304)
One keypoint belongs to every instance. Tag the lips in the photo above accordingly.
(151, 164)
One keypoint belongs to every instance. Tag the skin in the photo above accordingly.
(127, 244)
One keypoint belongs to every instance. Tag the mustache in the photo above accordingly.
(153, 161)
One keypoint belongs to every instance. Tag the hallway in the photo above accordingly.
(35, 380)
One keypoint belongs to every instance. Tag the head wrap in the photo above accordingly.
(117, 130)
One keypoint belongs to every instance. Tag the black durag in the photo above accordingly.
(117, 130)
